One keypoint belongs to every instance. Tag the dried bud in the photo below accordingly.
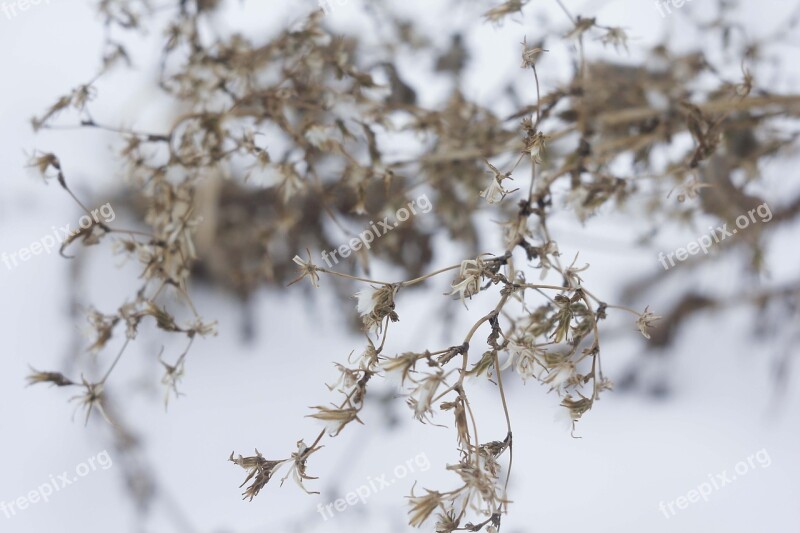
(54, 378)
(335, 419)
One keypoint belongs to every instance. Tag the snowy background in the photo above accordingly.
(636, 450)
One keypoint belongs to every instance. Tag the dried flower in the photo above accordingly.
(260, 470)
(43, 162)
(54, 378)
(298, 469)
(576, 407)
(468, 281)
(447, 522)
(645, 321)
(347, 378)
(534, 145)
(375, 304)
(93, 397)
(172, 375)
(422, 396)
(581, 25)
(423, 506)
(524, 360)
(510, 7)
(559, 374)
(571, 276)
(617, 37)
(307, 268)
(529, 55)
(398, 368)
(335, 419)
(495, 192)
(460, 415)
(199, 327)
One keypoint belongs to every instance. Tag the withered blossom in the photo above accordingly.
(582, 24)
(298, 469)
(307, 268)
(559, 374)
(54, 378)
(510, 7)
(576, 407)
(421, 397)
(423, 506)
(172, 375)
(92, 398)
(460, 415)
(534, 146)
(616, 37)
(399, 368)
(645, 321)
(260, 470)
(530, 54)
(44, 162)
(468, 282)
(375, 304)
(447, 522)
(495, 192)
(335, 418)
(347, 378)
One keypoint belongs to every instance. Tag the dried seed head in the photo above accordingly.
(260, 470)
(616, 37)
(400, 367)
(530, 54)
(495, 192)
(375, 304)
(335, 418)
(510, 7)
(307, 268)
(422, 396)
(582, 24)
(298, 469)
(91, 399)
(43, 162)
(645, 321)
(423, 506)
(534, 146)
(54, 378)
(468, 281)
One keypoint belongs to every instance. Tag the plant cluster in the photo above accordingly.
(279, 143)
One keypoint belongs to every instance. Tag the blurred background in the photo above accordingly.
(719, 387)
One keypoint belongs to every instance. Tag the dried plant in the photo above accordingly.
(278, 140)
